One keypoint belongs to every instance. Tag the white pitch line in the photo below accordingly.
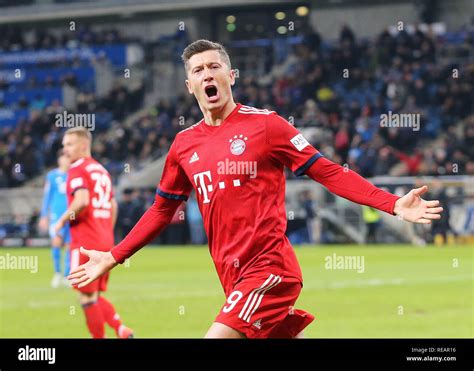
(118, 298)
(383, 282)
(155, 296)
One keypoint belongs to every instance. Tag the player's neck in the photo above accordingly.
(215, 118)
(84, 156)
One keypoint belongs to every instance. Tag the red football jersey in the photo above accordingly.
(92, 228)
(236, 169)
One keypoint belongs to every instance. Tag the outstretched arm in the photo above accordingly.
(287, 146)
(150, 225)
(348, 184)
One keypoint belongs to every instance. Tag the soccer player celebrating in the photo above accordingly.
(91, 213)
(54, 205)
(244, 214)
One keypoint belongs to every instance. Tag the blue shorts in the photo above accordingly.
(64, 233)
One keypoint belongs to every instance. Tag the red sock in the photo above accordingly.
(95, 320)
(110, 316)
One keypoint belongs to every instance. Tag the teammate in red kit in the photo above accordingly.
(91, 213)
(234, 159)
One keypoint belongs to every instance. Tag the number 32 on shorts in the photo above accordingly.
(232, 300)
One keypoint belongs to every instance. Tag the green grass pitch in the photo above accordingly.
(174, 292)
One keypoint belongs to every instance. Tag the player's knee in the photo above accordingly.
(88, 297)
(300, 335)
(221, 331)
(57, 241)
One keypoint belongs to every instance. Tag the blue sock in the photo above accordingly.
(56, 253)
(67, 262)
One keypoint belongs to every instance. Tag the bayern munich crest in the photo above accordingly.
(237, 144)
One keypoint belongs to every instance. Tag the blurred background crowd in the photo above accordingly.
(334, 89)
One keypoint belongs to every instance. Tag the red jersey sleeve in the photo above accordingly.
(77, 179)
(350, 185)
(150, 225)
(174, 183)
(288, 146)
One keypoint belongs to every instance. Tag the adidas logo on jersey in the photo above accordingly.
(258, 324)
(194, 158)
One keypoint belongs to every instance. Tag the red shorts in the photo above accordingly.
(262, 307)
(100, 284)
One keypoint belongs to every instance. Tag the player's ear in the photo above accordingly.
(86, 144)
(188, 85)
(232, 77)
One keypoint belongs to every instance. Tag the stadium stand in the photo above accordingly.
(340, 114)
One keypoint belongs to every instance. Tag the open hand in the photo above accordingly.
(413, 208)
(99, 263)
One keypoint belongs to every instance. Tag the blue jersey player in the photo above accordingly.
(54, 205)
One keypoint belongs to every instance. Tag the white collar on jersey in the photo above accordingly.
(77, 162)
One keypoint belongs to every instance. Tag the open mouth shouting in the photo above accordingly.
(212, 94)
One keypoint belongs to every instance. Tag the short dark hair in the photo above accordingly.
(203, 45)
